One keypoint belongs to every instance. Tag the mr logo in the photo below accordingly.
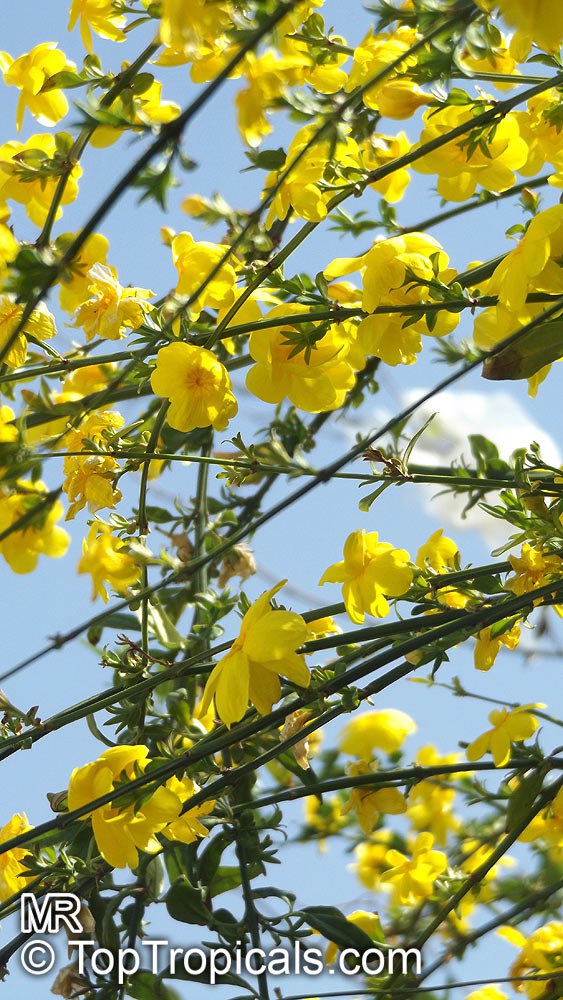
(48, 914)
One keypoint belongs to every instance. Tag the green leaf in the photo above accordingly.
(523, 798)
(185, 903)
(366, 502)
(332, 924)
(266, 159)
(229, 877)
(535, 349)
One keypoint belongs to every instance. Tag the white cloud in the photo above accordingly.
(495, 415)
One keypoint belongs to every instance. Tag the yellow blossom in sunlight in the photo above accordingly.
(370, 803)
(533, 568)
(194, 263)
(8, 430)
(430, 802)
(8, 249)
(533, 264)
(12, 863)
(22, 180)
(100, 16)
(189, 26)
(486, 993)
(369, 923)
(394, 96)
(439, 553)
(89, 480)
(539, 127)
(107, 560)
(508, 726)
(412, 878)
(379, 150)
(122, 830)
(459, 174)
(74, 284)
(29, 73)
(197, 385)
(263, 651)
(385, 729)
(488, 647)
(267, 75)
(541, 954)
(390, 271)
(41, 535)
(110, 309)
(322, 627)
(548, 825)
(303, 189)
(40, 326)
(497, 60)
(370, 859)
(370, 572)
(188, 827)
(314, 379)
(140, 109)
(324, 818)
(539, 21)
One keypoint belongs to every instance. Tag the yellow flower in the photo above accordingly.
(110, 309)
(508, 726)
(391, 270)
(8, 431)
(40, 326)
(12, 863)
(146, 108)
(379, 150)
(547, 825)
(367, 922)
(188, 827)
(370, 860)
(386, 729)
(268, 76)
(370, 572)
(8, 249)
(369, 803)
(438, 553)
(89, 480)
(190, 26)
(533, 569)
(303, 189)
(487, 993)
(324, 818)
(194, 263)
(430, 802)
(412, 879)
(39, 536)
(106, 558)
(22, 178)
(99, 15)
(532, 265)
(197, 385)
(264, 650)
(322, 627)
(314, 381)
(75, 283)
(487, 648)
(541, 954)
(539, 21)
(29, 74)
(459, 173)
(121, 831)
(393, 97)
